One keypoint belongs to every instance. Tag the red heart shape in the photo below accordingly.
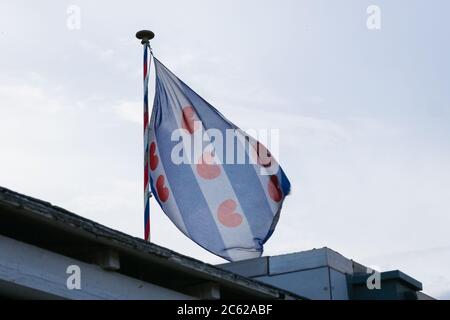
(163, 192)
(154, 160)
(274, 189)
(227, 216)
(207, 169)
(188, 120)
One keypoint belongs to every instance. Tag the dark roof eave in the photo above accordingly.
(45, 212)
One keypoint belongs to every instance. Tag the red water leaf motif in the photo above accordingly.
(207, 168)
(227, 215)
(163, 191)
(189, 119)
(264, 157)
(274, 189)
(154, 159)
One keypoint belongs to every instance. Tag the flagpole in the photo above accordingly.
(145, 36)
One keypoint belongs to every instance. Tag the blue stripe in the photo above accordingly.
(146, 213)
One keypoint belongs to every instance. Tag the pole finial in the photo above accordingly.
(145, 36)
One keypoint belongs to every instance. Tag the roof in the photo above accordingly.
(27, 219)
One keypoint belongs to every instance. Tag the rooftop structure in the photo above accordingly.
(323, 274)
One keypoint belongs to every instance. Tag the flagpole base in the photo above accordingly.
(145, 36)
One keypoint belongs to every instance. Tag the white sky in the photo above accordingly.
(364, 115)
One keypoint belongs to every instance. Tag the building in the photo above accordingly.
(323, 274)
(47, 252)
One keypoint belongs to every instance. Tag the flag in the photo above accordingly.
(229, 207)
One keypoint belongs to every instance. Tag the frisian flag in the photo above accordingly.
(229, 208)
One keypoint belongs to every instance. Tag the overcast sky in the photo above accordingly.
(363, 115)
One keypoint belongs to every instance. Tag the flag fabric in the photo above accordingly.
(229, 208)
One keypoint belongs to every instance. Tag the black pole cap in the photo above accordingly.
(145, 36)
